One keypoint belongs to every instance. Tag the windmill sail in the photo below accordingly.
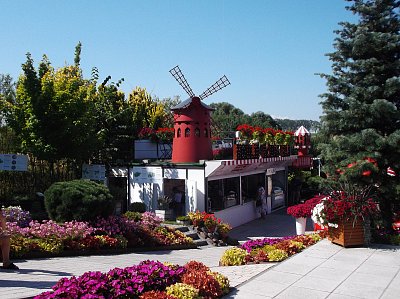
(177, 74)
(221, 83)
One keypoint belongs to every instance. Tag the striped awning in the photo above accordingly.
(242, 167)
(301, 131)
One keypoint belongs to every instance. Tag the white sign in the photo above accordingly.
(146, 174)
(96, 172)
(13, 162)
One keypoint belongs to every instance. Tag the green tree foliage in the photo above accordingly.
(168, 103)
(7, 93)
(263, 120)
(226, 118)
(113, 122)
(79, 200)
(146, 112)
(361, 108)
(52, 112)
(293, 125)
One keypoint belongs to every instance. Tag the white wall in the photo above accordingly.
(146, 192)
(238, 215)
(195, 188)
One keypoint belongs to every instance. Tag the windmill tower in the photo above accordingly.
(192, 122)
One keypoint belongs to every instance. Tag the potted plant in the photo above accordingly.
(165, 135)
(246, 133)
(300, 212)
(344, 212)
(147, 134)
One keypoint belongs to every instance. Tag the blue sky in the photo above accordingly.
(269, 49)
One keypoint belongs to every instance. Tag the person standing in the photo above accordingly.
(261, 202)
(178, 201)
(5, 244)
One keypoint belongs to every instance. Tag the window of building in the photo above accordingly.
(250, 186)
(197, 132)
(223, 193)
(205, 133)
(187, 132)
(178, 134)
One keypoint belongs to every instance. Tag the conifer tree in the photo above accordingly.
(361, 117)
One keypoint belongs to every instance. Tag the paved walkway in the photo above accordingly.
(324, 270)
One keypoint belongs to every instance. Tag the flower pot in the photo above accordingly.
(301, 225)
(347, 234)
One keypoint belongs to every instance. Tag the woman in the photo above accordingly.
(5, 244)
(262, 201)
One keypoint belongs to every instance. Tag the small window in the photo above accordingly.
(178, 134)
(205, 133)
(197, 132)
(187, 132)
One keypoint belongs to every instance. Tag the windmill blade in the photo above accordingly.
(221, 83)
(177, 74)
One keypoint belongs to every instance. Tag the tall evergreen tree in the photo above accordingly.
(361, 120)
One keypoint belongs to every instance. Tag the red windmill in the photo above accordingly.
(192, 122)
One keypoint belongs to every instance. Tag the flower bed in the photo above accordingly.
(149, 279)
(268, 249)
(113, 233)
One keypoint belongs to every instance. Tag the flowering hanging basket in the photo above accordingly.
(348, 233)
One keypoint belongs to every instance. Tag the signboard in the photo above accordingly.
(96, 172)
(13, 162)
(146, 174)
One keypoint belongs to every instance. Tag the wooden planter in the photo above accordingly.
(347, 234)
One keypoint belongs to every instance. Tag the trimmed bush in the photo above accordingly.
(137, 206)
(80, 200)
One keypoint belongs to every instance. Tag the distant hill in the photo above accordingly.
(293, 125)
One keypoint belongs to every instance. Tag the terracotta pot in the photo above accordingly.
(347, 234)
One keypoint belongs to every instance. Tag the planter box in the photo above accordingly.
(346, 235)
(165, 214)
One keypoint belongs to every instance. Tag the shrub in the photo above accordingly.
(137, 206)
(207, 285)
(156, 294)
(289, 246)
(222, 280)
(51, 245)
(19, 246)
(150, 220)
(80, 200)
(135, 216)
(183, 218)
(277, 255)
(233, 257)
(183, 291)
(196, 266)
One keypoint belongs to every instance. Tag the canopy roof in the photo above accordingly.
(301, 131)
